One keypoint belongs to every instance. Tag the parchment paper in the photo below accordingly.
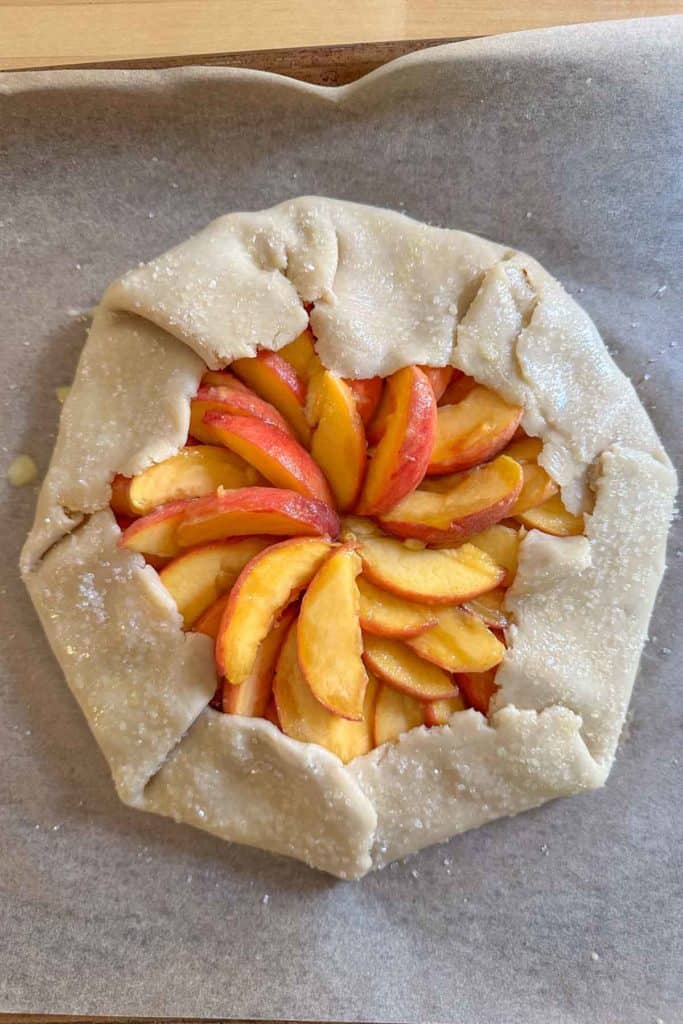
(565, 143)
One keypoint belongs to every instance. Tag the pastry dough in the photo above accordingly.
(386, 292)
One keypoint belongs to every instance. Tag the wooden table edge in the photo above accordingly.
(318, 65)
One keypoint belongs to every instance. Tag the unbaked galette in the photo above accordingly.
(351, 535)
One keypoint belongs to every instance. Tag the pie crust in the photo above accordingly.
(386, 292)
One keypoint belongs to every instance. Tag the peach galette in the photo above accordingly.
(351, 535)
(353, 589)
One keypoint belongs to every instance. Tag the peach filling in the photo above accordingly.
(346, 544)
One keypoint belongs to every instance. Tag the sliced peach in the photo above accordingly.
(329, 639)
(223, 379)
(275, 455)
(501, 542)
(377, 423)
(157, 533)
(552, 517)
(524, 449)
(395, 714)
(444, 576)
(303, 718)
(537, 488)
(276, 380)
(477, 688)
(251, 698)
(400, 667)
(271, 713)
(385, 614)
(359, 526)
(438, 712)
(234, 403)
(475, 500)
(338, 444)
(439, 377)
(266, 585)
(489, 608)
(367, 394)
(402, 455)
(301, 354)
(537, 485)
(459, 642)
(209, 621)
(199, 576)
(459, 387)
(254, 510)
(472, 431)
(192, 473)
(157, 561)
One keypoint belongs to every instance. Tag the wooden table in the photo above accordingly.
(330, 42)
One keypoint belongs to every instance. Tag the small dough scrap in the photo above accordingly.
(437, 782)
(117, 636)
(241, 779)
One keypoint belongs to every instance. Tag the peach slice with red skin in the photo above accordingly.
(396, 713)
(254, 510)
(552, 517)
(276, 380)
(303, 718)
(377, 423)
(209, 621)
(377, 420)
(459, 642)
(439, 377)
(252, 697)
(443, 576)
(472, 431)
(264, 588)
(156, 534)
(275, 455)
(402, 455)
(367, 393)
(396, 664)
(302, 356)
(385, 614)
(232, 402)
(223, 379)
(475, 500)
(191, 473)
(329, 640)
(478, 688)
(459, 387)
(198, 577)
(338, 444)
(271, 715)
(439, 712)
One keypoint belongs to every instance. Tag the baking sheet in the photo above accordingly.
(566, 143)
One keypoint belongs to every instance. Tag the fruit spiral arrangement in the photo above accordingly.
(347, 544)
